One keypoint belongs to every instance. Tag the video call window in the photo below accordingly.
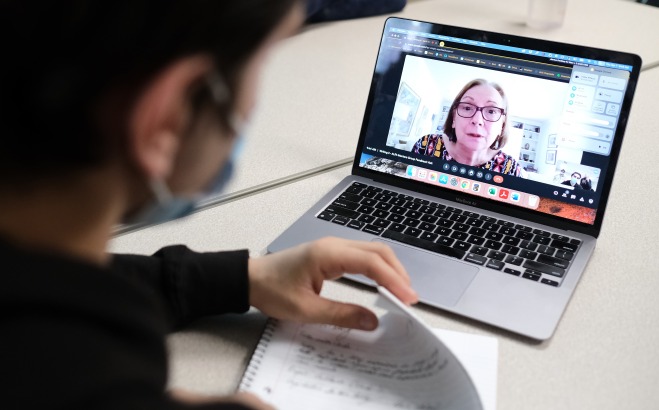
(548, 124)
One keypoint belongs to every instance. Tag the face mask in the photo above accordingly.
(573, 181)
(168, 207)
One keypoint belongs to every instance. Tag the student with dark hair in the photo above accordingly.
(128, 111)
(475, 131)
(574, 181)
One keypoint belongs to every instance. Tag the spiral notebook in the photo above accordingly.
(403, 364)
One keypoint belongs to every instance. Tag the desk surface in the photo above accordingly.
(603, 354)
(316, 85)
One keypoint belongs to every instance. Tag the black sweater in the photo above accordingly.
(78, 336)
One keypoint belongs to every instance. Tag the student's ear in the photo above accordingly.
(160, 115)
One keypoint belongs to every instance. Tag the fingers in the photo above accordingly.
(340, 314)
(375, 260)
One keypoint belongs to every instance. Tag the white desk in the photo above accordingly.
(315, 88)
(604, 353)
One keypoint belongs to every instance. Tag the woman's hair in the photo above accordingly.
(63, 59)
(501, 140)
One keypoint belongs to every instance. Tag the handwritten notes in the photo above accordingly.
(401, 365)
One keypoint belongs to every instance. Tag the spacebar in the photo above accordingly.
(420, 243)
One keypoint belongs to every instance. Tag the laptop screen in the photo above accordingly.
(477, 113)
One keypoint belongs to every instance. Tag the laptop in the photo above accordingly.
(500, 232)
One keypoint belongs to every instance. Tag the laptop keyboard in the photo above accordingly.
(498, 244)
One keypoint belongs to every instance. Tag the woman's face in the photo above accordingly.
(476, 133)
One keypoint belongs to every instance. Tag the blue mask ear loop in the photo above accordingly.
(168, 207)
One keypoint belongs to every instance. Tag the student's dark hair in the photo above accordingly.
(61, 60)
(502, 139)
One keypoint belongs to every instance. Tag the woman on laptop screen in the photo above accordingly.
(475, 131)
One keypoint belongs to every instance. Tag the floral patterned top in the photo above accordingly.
(501, 162)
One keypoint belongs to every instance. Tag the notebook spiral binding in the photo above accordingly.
(257, 356)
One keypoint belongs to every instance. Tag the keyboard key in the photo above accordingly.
(549, 282)
(474, 222)
(531, 276)
(396, 218)
(327, 216)
(383, 206)
(564, 255)
(397, 227)
(496, 255)
(471, 214)
(542, 240)
(350, 197)
(508, 231)
(524, 235)
(458, 218)
(365, 209)
(354, 190)
(476, 240)
(412, 206)
(514, 260)
(547, 250)
(541, 233)
(375, 230)
(429, 218)
(413, 232)
(560, 237)
(356, 224)
(429, 236)
(463, 246)
(421, 201)
(368, 201)
(523, 228)
(495, 264)
(506, 223)
(383, 197)
(527, 254)
(479, 250)
(442, 213)
(399, 210)
(477, 259)
(443, 231)
(367, 218)
(491, 226)
(575, 242)
(548, 269)
(342, 211)
(381, 223)
(512, 271)
(477, 231)
(368, 193)
(426, 209)
(531, 246)
(427, 227)
(492, 245)
(397, 202)
(411, 222)
(454, 209)
(509, 240)
(550, 260)
(461, 227)
(378, 213)
(343, 203)
(341, 220)
(445, 241)
(494, 236)
(488, 219)
(509, 249)
(413, 214)
(445, 223)
(564, 246)
(420, 243)
(461, 236)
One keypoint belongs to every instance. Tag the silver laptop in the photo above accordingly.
(485, 161)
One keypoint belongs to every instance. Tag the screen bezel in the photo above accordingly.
(521, 42)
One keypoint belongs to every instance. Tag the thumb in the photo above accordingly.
(342, 314)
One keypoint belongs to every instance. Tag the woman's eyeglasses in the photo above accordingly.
(468, 110)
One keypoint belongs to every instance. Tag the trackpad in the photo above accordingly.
(439, 281)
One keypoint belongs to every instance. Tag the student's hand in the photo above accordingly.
(287, 284)
(244, 399)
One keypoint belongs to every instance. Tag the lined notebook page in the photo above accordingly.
(401, 365)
